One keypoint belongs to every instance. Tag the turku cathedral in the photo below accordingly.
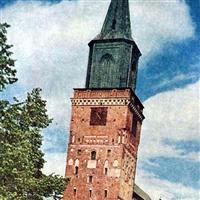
(107, 116)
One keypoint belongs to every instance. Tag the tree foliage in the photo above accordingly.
(21, 158)
(7, 73)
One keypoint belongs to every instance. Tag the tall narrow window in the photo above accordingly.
(108, 152)
(114, 24)
(90, 192)
(74, 191)
(105, 193)
(106, 70)
(93, 155)
(76, 166)
(90, 179)
(106, 167)
(105, 170)
(76, 170)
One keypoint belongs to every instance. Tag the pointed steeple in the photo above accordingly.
(113, 57)
(117, 23)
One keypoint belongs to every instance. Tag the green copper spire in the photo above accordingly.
(117, 23)
(114, 56)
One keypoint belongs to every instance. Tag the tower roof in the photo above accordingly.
(117, 23)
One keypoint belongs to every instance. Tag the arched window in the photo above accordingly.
(76, 166)
(107, 69)
(106, 167)
(93, 155)
(76, 170)
(74, 191)
(105, 193)
(105, 170)
(90, 192)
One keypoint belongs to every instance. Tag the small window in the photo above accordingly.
(90, 179)
(114, 24)
(90, 192)
(105, 170)
(79, 152)
(76, 170)
(105, 193)
(74, 191)
(108, 152)
(93, 155)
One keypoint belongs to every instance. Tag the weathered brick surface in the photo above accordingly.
(114, 143)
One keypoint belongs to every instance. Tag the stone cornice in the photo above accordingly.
(108, 102)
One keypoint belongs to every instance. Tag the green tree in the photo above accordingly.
(7, 73)
(21, 158)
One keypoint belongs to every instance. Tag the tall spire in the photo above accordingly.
(114, 56)
(117, 23)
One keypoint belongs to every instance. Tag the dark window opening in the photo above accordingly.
(108, 152)
(79, 152)
(90, 179)
(105, 170)
(98, 116)
(90, 193)
(74, 191)
(105, 193)
(93, 155)
(76, 171)
(114, 24)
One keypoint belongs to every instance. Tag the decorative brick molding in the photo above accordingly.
(107, 102)
(97, 102)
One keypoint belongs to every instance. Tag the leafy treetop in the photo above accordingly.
(7, 73)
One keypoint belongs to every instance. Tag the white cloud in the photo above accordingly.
(167, 190)
(172, 115)
(55, 163)
(158, 23)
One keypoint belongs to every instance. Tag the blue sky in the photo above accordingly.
(52, 54)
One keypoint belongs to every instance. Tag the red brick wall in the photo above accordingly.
(115, 136)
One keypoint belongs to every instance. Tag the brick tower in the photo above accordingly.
(106, 115)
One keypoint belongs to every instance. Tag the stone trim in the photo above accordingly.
(107, 102)
(95, 102)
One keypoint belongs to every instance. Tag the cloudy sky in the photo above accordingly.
(50, 44)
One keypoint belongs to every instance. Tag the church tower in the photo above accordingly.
(106, 115)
